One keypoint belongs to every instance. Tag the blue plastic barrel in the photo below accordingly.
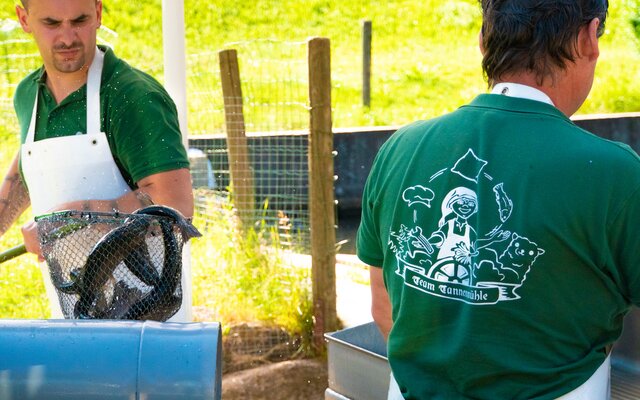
(132, 360)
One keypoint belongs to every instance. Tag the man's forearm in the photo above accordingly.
(380, 303)
(14, 198)
(126, 203)
(171, 188)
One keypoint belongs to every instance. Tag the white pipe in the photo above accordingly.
(175, 59)
(175, 81)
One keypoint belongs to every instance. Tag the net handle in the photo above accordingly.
(12, 253)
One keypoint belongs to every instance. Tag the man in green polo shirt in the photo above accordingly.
(96, 133)
(503, 239)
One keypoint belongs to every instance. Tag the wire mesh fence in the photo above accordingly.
(18, 57)
(266, 141)
(249, 133)
(275, 112)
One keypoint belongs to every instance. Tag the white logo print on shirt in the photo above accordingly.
(454, 261)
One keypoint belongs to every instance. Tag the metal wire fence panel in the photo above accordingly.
(248, 125)
(206, 107)
(266, 122)
(18, 57)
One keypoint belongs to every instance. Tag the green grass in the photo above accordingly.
(425, 56)
(425, 62)
(21, 288)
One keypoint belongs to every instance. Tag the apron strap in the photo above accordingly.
(31, 132)
(93, 93)
(93, 99)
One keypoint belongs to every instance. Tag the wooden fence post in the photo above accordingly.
(239, 161)
(321, 191)
(366, 63)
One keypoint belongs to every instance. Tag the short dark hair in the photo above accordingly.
(25, 3)
(534, 36)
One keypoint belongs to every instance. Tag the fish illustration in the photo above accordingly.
(505, 205)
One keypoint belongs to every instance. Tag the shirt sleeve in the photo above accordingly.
(147, 137)
(368, 245)
(625, 247)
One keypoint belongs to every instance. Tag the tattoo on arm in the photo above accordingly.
(13, 201)
(144, 198)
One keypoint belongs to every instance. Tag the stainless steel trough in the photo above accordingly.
(357, 361)
(358, 367)
(90, 360)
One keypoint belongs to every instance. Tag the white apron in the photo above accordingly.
(79, 167)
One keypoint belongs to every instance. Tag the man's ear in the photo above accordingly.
(99, 12)
(480, 44)
(22, 18)
(588, 40)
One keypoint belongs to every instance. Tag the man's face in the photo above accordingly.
(64, 30)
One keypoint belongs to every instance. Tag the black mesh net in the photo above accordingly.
(114, 265)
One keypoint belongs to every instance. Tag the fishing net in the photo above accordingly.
(114, 265)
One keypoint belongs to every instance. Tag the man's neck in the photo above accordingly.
(559, 90)
(63, 84)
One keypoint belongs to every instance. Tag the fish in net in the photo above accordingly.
(116, 265)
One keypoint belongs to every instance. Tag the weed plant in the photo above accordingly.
(242, 275)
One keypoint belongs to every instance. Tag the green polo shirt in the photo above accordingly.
(508, 238)
(138, 117)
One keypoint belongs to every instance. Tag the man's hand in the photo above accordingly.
(31, 241)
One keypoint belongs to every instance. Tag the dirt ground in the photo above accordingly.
(266, 363)
(287, 380)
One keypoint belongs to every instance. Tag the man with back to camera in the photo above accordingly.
(96, 133)
(502, 237)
